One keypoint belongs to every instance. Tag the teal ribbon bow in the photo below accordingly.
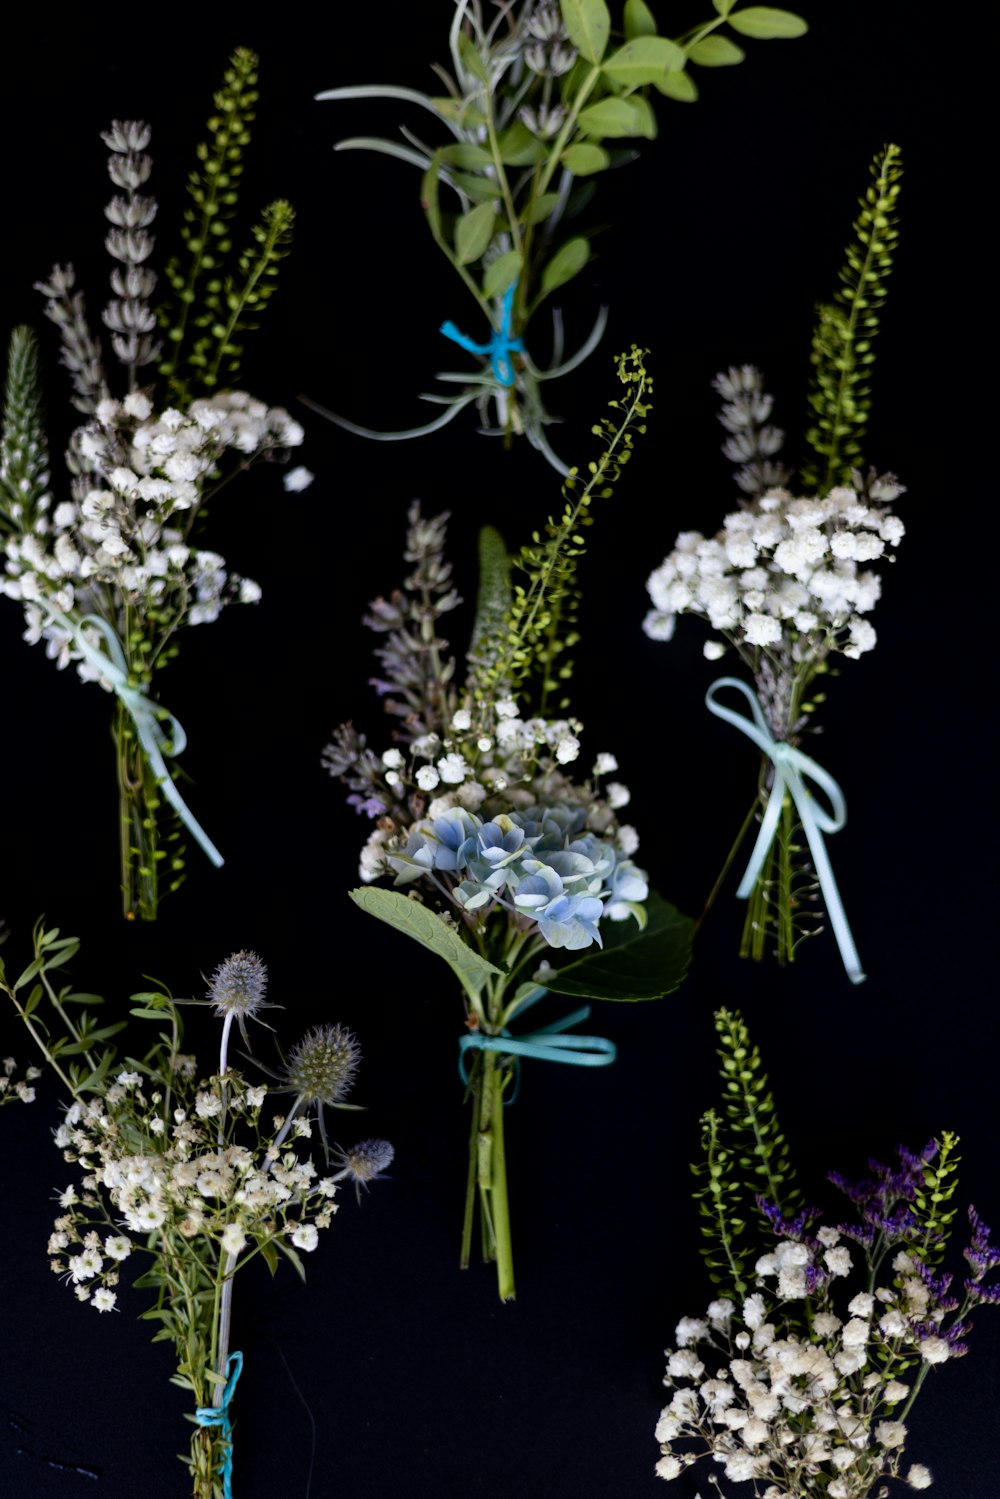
(500, 346)
(144, 714)
(547, 1044)
(218, 1415)
(791, 768)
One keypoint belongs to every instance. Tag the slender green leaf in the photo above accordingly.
(680, 86)
(634, 963)
(430, 931)
(568, 261)
(501, 274)
(615, 117)
(34, 1000)
(715, 52)
(588, 23)
(585, 158)
(765, 23)
(639, 19)
(429, 195)
(291, 1254)
(471, 59)
(32, 971)
(270, 1254)
(465, 154)
(473, 232)
(642, 60)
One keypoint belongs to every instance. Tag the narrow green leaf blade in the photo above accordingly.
(410, 917)
(765, 22)
(588, 23)
(634, 964)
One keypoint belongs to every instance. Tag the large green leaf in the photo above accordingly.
(615, 117)
(589, 25)
(429, 930)
(634, 963)
(639, 19)
(566, 263)
(473, 232)
(764, 22)
(642, 60)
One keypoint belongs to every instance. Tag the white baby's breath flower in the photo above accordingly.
(305, 1236)
(298, 478)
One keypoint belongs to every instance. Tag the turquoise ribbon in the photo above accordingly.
(500, 346)
(145, 715)
(791, 768)
(218, 1415)
(547, 1044)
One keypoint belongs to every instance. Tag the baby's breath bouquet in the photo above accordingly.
(186, 1175)
(505, 861)
(799, 1378)
(110, 573)
(786, 585)
(541, 97)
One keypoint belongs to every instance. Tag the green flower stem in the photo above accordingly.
(770, 909)
(491, 1174)
(138, 801)
(475, 1095)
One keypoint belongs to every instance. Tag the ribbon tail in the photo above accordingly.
(831, 894)
(462, 339)
(768, 828)
(150, 745)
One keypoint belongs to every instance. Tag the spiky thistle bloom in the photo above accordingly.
(364, 1162)
(320, 1069)
(237, 989)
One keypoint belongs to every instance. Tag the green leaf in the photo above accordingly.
(32, 971)
(568, 261)
(765, 23)
(615, 117)
(429, 194)
(473, 232)
(715, 52)
(642, 60)
(723, 6)
(639, 19)
(465, 154)
(634, 964)
(501, 274)
(291, 1254)
(585, 158)
(34, 1000)
(588, 23)
(540, 208)
(430, 931)
(270, 1254)
(471, 60)
(680, 86)
(518, 147)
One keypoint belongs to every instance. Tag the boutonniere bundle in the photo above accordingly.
(111, 572)
(801, 1375)
(542, 96)
(787, 584)
(504, 860)
(183, 1174)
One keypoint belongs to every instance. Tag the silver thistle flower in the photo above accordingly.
(363, 1163)
(321, 1068)
(237, 989)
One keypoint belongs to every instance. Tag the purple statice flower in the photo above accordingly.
(368, 806)
(981, 1254)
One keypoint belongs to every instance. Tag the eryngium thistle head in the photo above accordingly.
(238, 985)
(321, 1067)
(364, 1162)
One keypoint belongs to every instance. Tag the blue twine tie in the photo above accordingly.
(218, 1415)
(547, 1044)
(145, 715)
(791, 767)
(501, 345)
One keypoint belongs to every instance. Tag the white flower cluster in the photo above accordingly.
(146, 1174)
(784, 575)
(20, 1089)
(495, 764)
(796, 1406)
(140, 479)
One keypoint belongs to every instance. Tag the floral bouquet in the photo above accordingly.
(516, 872)
(109, 575)
(182, 1174)
(799, 1380)
(786, 585)
(536, 89)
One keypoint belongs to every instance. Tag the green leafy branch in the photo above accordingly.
(932, 1203)
(842, 353)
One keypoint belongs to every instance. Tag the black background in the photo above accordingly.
(718, 242)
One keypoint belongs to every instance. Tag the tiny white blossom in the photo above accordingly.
(297, 479)
(104, 1300)
(306, 1237)
(919, 1477)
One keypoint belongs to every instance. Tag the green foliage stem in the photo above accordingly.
(718, 1205)
(932, 1203)
(842, 353)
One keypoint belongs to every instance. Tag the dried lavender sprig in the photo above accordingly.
(752, 442)
(80, 352)
(128, 314)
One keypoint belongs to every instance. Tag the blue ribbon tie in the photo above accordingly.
(144, 714)
(501, 345)
(218, 1415)
(791, 769)
(547, 1044)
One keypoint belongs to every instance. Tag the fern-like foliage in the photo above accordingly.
(24, 460)
(492, 599)
(842, 353)
(745, 1157)
(932, 1203)
(211, 306)
(529, 649)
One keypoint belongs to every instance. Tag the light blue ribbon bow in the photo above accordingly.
(791, 767)
(500, 346)
(145, 715)
(547, 1044)
(218, 1415)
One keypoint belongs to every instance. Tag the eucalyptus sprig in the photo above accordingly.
(540, 97)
